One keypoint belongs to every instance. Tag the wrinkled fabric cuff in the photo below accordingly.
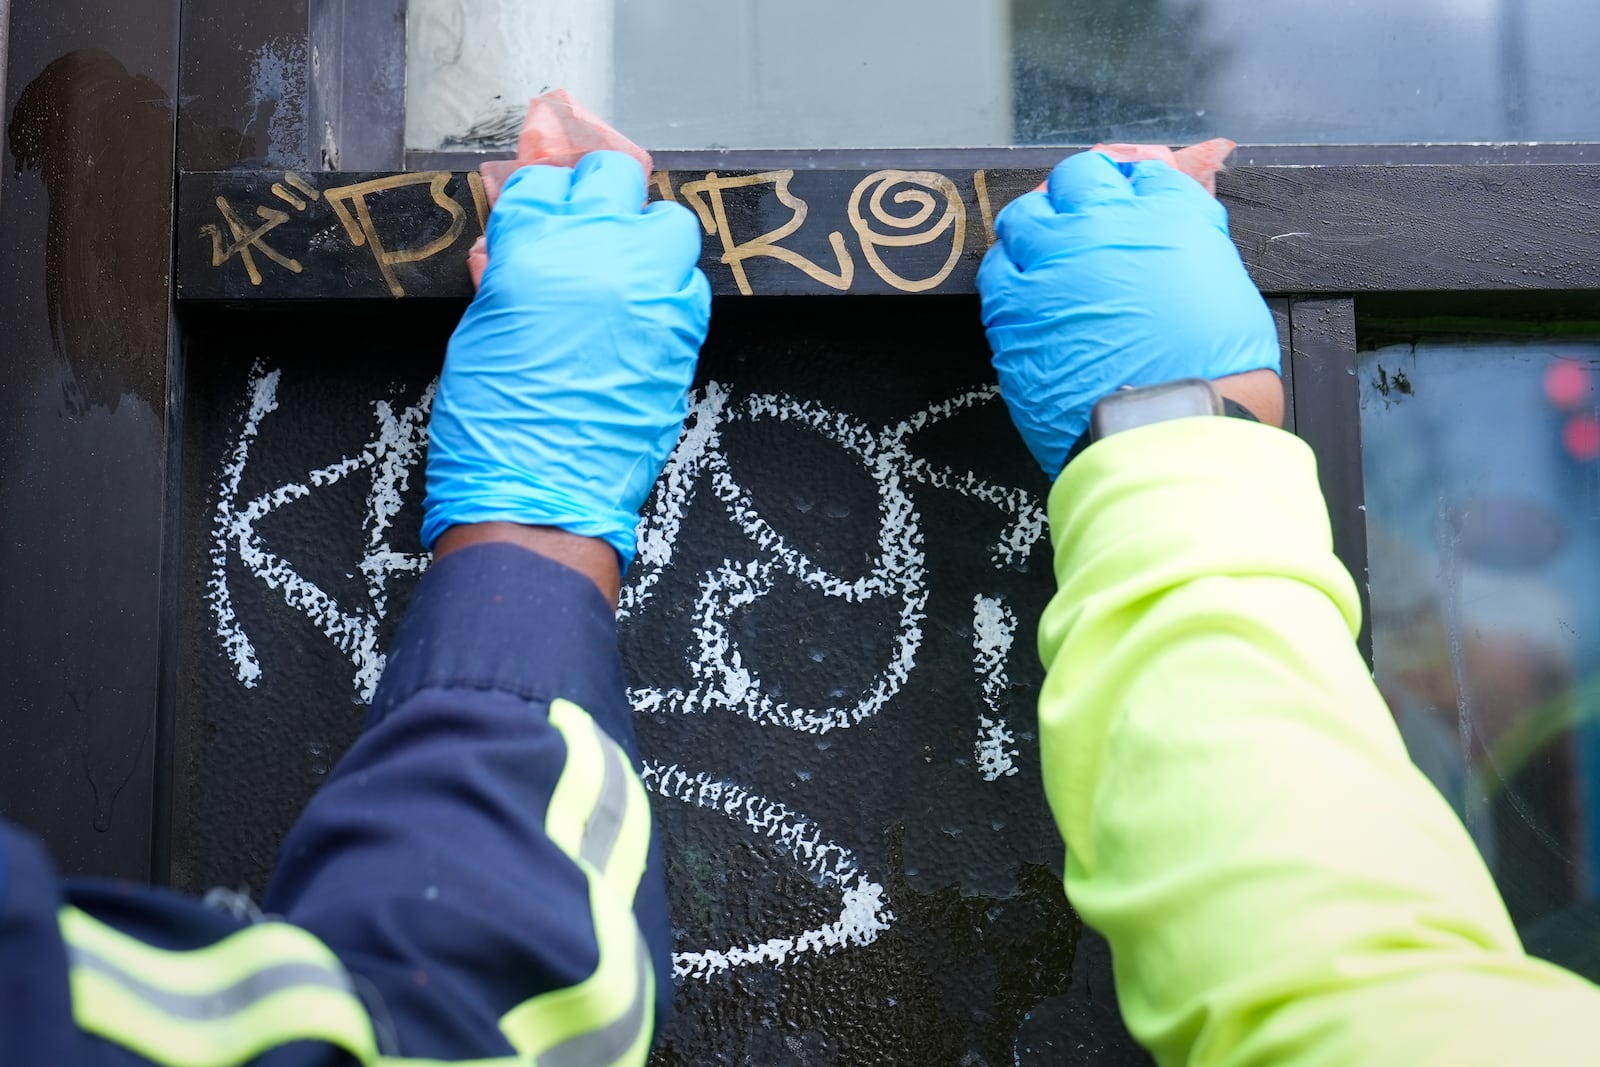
(1149, 509)
(500, 617)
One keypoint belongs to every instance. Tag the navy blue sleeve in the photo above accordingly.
(482, 859)
(36, 1023)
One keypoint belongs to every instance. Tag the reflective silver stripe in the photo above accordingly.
(201, 1007)
(605, 823)
(603, 1047)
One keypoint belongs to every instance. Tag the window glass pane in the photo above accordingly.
(894, 73)
(1482, 467)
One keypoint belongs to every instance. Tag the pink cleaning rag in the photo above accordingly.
(558, 132)
(1202, 162)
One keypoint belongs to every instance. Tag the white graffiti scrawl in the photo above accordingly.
(863, 909)
(994, 628)
(721, 679)
(390, 455)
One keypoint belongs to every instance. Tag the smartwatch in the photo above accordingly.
(1131, 407)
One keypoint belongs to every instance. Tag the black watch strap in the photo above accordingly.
(1235, 410)
(1231, 408)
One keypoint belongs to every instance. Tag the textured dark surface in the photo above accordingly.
(789, 230)
(85, 228)
(977, 963)
(356, 110)
(246, 85)
(1280, 319)
(1327, 407)
(255, 234)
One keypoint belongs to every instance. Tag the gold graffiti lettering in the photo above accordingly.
(714, 217)
(663, 183)
(480, 200)
(980, 182)
(920, 191)
(287, 197)
(306, 188)
(247, 241)
(350, 204)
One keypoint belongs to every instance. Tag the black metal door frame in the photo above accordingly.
(87, 404)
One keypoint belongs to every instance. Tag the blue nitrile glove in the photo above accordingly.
(566, 383)
(1119, 274)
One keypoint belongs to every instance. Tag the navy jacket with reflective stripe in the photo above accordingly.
(424, 862)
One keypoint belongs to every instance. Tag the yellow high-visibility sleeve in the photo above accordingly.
(1278, 882)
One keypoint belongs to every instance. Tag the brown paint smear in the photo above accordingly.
(101, 140)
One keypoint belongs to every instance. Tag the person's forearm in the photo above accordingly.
(589, 556)
(1259, 392)
(489, 829)
(1278, 882)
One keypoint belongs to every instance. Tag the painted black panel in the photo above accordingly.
(246, 85)
(85, 233)
(862, 865)
(790, 231)
(1327, 403)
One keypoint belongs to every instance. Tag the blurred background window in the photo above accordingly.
(1482, 469)
(690, 74)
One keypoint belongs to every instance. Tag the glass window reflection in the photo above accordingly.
(1482, 469)
(894, 73)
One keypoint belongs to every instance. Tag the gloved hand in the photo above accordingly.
(1118, 274)
(566, 383)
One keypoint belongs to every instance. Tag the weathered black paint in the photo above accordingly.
(356, 117)
(979, 959)
(1327, 406)
(1336, 229)
(82, 126)
(310, 84)
(1280, 319)
(246, 82)
(314, 235)
(85, 223)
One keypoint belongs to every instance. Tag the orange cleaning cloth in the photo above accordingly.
(558, 132)
(1202, 162)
